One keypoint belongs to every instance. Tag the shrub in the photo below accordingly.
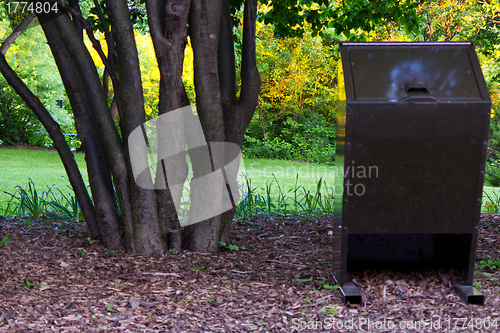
(18, 124)
(309, 139)
(492, 175)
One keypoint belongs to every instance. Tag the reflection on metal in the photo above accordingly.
(339, 243)
(412, 133)
(469, 294)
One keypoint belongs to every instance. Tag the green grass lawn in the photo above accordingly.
(262, 171)
(45, 168)
(17, 166)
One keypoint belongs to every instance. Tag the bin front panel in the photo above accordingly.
(413, 168)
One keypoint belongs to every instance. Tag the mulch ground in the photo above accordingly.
(52, 279)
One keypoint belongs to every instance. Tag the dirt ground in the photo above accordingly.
(54, 279)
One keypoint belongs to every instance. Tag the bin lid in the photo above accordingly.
(439, 71)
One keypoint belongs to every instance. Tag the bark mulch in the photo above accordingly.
(52, 279)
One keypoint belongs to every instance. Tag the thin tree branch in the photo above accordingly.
(18, 31)
(107, 35)
(90, 33)
(55, 134)
(227, 71)
(250, 78)
(78, 24)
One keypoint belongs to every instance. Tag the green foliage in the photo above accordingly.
(311, 140)
(304, 280)
(492, 175)
(28, 284)
(289, 17)
(5, 240)
(296, 115)
(329, 287)
(330, 310)
(297, 201)
(32, 60)
(492, 206)
(230, 247)
(15, 17)
(18, 124)
(65, 205)
(29, 201)
(488, 264)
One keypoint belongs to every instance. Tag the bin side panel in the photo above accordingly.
(339, 257)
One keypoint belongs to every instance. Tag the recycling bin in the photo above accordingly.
(412, 132)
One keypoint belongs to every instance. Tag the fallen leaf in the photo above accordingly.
(72, 317)
(134, 302)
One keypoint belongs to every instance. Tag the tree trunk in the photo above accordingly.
(97, 166)
(167, 25)
(108, 134)
(60, 144)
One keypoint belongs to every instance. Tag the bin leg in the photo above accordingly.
(351, 294)
(469, 294)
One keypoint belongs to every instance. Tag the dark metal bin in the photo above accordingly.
(412, 132)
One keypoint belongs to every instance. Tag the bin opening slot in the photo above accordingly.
(420, 90)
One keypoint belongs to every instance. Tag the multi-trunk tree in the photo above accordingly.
(123, 214)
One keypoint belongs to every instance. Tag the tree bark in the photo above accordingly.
(97, 165)
(168, 27)
(107, 131)
(146, 229)
(238, 114)
(204, 22)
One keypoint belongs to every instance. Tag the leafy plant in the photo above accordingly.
(491, 264)
(30, 203)
(297, 201)
(231, 247)
(66, 205)
(492, 206)
(28, 284)
(330, 310)
(5, 240)
(329, 287)
(199, 269)
(304, 280)
(110, 308)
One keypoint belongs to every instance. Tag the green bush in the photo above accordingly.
(492, 175)
(18, 124)
(310, 139)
